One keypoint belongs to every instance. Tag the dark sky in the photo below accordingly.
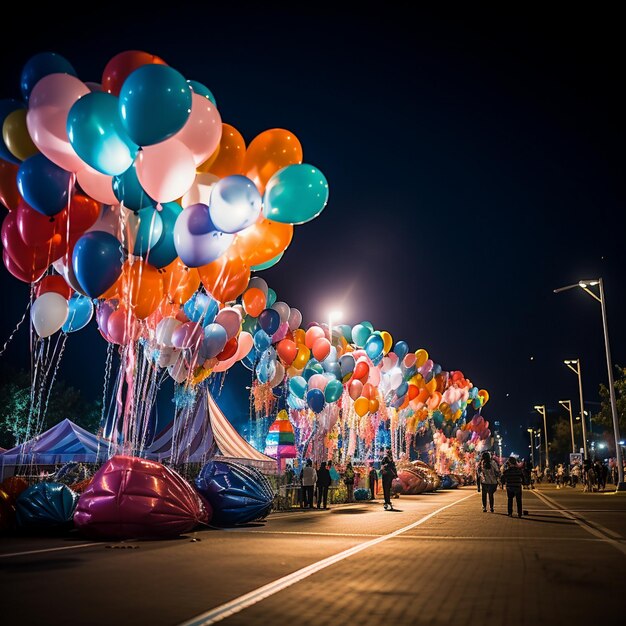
(475, 162)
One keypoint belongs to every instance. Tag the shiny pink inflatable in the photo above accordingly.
(131, 498)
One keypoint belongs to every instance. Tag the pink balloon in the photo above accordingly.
(96, 184)
(354, 389)
(166, 170)
(321, 348)
(49, 104)
(120, 328)
(230, 319)
(312, 335)
(187, 335)
(281, 333)
(202, 130)
(246, 342)
(318, 381)
(374, 376)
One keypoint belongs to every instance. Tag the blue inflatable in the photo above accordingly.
(237, 493)
(448, 482)
(45, 505)
(361, 494)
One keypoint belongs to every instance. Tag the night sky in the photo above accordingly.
(475, 163)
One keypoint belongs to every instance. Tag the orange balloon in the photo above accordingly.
(361, 406)
(144, 286)
(299, 335)
(9, 195)
(253, 301)
(302, 358)
(225, 278)
(179, 281)
(373, 405)
(230, 154)
(262, 242)
(269, 152)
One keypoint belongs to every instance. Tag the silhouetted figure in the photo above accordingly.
(513, 478)
(388, 473)
(373, 479)
(489, 474)
(308, 476)
(348, 479)
(323, 483)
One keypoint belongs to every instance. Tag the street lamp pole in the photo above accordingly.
(568, 405)
(541, 409)
(585, 284)
(576, 370)
(532, 445)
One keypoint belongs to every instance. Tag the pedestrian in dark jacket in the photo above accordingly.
(348, 479)
(388, 472)
(489, 473)
(323, 483)
(373, 479)
(513, 477)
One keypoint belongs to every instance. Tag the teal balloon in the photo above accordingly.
(298, 386)
(149, 231)
(250, 325)
(312, 368)
(401, 349)
(374, 346)
(128, 189)
(202, 90)
(154, 103)
(438, 418)
(333, 391)
(267, 264)
(80, 313)
(271, 297)
(164, 252)
(98, 136)
(368, 325)
(360, 334)
(346, 331)
(295, 195)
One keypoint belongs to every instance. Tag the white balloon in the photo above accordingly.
(179, 370)
(48, 313)
(258, 283)
(200, 191)
(235, 203)
(279, 375)
(164, 330)
(395, 378)
(295, 319)
(282, 308)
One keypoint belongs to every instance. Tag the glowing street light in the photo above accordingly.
(584, 285)
(532, 447)
(541, 409)
(570, 363)
(568, 405)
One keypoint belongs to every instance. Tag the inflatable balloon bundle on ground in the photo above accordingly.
(46, 505)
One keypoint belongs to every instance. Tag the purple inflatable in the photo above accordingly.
(131, 498)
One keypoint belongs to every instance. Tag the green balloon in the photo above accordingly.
(333, 391)
(268, 264)
(271, 298)
(295, 195)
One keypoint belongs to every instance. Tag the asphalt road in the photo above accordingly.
(436, 560)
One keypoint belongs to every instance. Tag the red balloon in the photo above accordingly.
(30, 260)
(83, 213)
(321, 348)
(287, 350)
(361, 371)
(413, 391)
(121, 65)
(37, 229)
(230, 349)
(26, 276)
(55, 283)
(9, 194)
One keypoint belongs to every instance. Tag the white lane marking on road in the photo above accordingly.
(249, 599)
(27, 552)
(591, 527)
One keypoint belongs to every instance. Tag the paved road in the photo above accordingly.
(437, 560)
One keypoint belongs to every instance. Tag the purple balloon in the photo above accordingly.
(281, 333)
(269, 321)
(187, 335)
(103, 313)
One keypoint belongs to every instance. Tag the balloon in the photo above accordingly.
(79, 315)
(201, 308)
(263, 241)
(48, 108)
(295, 194)
(9, 194)
(179, 281)
(269, 321)
(48, 313)
(83, 213)
(225, 278)
(37, 229)
(165, 329)
(16, 137)
(122, 65)
(315, 400)
(128, 190)
(202, 90)
(295, 318)
(146, 287)
(188, 335)
(235, 204)
(360, 333)
(197, 240)
(373, 405)
(387, 341)
(229, 351)
(355, 388)
(145, 228)
(154, 104)
(287, 351)
(45, 186)
(245, 342)
(98, 136)
(374, 346)
(361, 371)
(6, 108)
(166, 170)
(401, 349)
(333, 391)
(361, 406)
(267, 264)
(317, 381)
(55, 283)
(230, 319)
(283, 310)
(96, 262)
(269, 152)
(46, 505)
(229, 156)
(262, 340)
(279, 376)
(200, 190)
(321, 348)
(96, 185)
(41, 65)
(271, 297)
(312, 335)
(304, 354)
(27, 263)
(253, 301)
(298, 386)
(346, 364)
(281, 333)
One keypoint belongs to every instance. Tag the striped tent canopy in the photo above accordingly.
(62, 443)
(205, 433)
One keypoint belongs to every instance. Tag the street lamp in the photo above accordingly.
(570, 363)
(585, 284)
(333, 315)
(568, 405)
(541, 409)
(532, 446)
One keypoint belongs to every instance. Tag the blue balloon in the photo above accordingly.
(333, 369)
(45, 505)
(164, 251)
(262, 341)
(97, 262)
(202, 90)
(436, 369)
(44, 185)
(98, 136)
(315, 399)
(374, 346)
(41, 65)
(7, 107)
(154, 103)
(128, 189)
(298, 386)
(235, 203)
(295, 403)
(80, 313)
(215, 338)
(402, 389)
(149, 230)
(237, 494)
(201, 308)
(269, 321)
(360, 333)
(265, 370)
(346, 365)
(401, 349)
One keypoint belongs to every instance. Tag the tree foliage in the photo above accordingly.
(605, 417)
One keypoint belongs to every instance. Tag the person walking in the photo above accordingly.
(323, 483)
(348, 479)
(513, 478)
(489, 474)
(388, 473)
(308, 476)
(373, 480)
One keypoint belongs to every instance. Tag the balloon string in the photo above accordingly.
(17, 327)
(54, 373)
(105, 387)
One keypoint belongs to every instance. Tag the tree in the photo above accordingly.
(605, 417)
(560, 442)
